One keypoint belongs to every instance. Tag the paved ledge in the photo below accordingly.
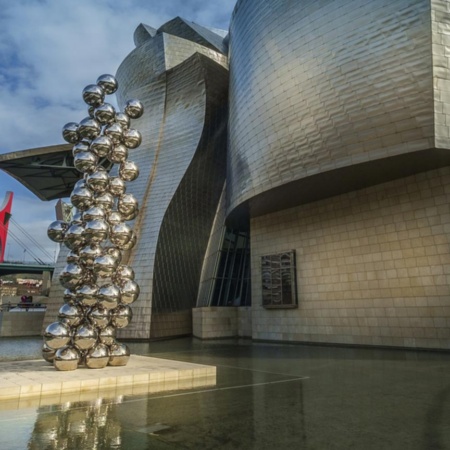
(37, 383)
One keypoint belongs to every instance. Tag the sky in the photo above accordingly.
(49, 51)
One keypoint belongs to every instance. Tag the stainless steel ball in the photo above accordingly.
(82, 198)
(57, 230)
(73, 257)
(91, 111)
(129, 292)
(99, 317)
(57, 335)
(72, 276)
(82, 146)
(132, 138)
(114, 252)
(105, 114)
(69, 296)
(94, 213)
(107, 335)
(77, 218)
(96, 231)
(48, 353)
(123, 120)
(70, 314)
(123, 273)
(104, 200)
(115, 132)
(120, 234)
(97, 357)
(88, 253)
(119, 354)
(67, 358)
(70, 133)
(127, 204)
(85, 162)
(131, 243)
(89, 128)
(121, 316)
(114, 217)
(108, 296)
(117, 186)
(134, 108)
(118, 154)
(86, 295)
(74, 237)
(98, 181)
(105, 265)
(108, 83)
(93, 95)
(85, 336)
(132, 215)
(128, 171)
(101, 146)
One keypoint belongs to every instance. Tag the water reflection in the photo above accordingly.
(77, 425)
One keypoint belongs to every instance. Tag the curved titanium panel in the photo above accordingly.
(319, 86)
(176, 126)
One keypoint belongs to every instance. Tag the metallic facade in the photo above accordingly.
(327, 97)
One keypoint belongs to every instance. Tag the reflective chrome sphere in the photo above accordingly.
(108, 296)
(131, 243)
(118, 154)
(72, 257)
(123, 120)
(107, 335)
(94, 213)
(104, 200)
(117, 186)
(82, 198)
(89, 128)
(98, 181)
(77, 218)
(48, 353)
(93, 95)
(134, 108)
(114, 217)
(56, 230)
(67, 358)
(87, 294)
(57, 335)
(115, 132)
(121, 316)
(105, 265)
(82, 146)
(96, 231)
(128, 171)
(99, 317)
(85, 336)
(120, 234)
(105, 114)
(74, 237)
(97, 357)
(132, 138)
(127, 204)
(114, 252)
(123, 273)
(72, 276)
(119, 354)
(70, 314)
(88, 254)
(69, 297)
(85, 162)
(91, 111)
(70, 133)
(129, 291)
(101, 146)
(108, 83)
(131, 215)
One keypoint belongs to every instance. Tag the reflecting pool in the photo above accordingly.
(268, 396)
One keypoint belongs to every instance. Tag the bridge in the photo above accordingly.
(7, 268)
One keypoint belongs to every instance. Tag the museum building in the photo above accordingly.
(295, 179)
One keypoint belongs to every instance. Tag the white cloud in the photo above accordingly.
(50, 50)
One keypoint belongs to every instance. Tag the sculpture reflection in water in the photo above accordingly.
(78, 425)
(99, 289)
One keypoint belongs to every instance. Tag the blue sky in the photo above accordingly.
(49, 51)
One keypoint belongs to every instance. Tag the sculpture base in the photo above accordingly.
(25, 384)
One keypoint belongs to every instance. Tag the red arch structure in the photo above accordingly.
(5, 215)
